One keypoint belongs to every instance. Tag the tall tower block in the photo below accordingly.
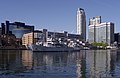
(81, 23)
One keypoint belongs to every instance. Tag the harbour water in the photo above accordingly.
(83, 64)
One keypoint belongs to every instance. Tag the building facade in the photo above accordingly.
(8, 40)
(44, 36)
(27, 39)
(16, 28)
(117, 38)
(34, 37)
(100, 32)
(81, 23)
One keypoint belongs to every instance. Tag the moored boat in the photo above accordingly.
(40, 48)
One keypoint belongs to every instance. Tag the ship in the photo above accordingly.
(52, 48)
(55, 45)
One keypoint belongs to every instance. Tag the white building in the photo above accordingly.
(100, 32)
(81, 23)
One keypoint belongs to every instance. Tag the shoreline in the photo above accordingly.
(24, 48)
(13, 48)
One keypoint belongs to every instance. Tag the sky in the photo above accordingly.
(58, 15)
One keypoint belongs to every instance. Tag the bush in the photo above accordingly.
(100, 44)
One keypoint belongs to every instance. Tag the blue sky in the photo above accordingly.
(58, 15)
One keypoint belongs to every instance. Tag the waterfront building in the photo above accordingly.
(81, 23)
(95, 20)
(100, 32)
(45, 36)
(117, 38)
(3, 28)
(8, 40)
(29, 38)
(16, 28)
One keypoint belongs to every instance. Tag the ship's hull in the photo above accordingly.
(38, 48)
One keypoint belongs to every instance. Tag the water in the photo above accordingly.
(83, 64)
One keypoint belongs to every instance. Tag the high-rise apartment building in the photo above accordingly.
(100, 32)
(81, 23)
(95, 20)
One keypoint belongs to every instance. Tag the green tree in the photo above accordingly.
(100, 44)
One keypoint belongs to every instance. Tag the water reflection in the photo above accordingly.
(62, 64)
(12, 61)
(98, 63)
(83, 64)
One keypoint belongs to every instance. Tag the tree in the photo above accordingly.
(100, 44)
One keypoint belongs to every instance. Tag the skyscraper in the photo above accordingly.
(100, 32)
(81, 23)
